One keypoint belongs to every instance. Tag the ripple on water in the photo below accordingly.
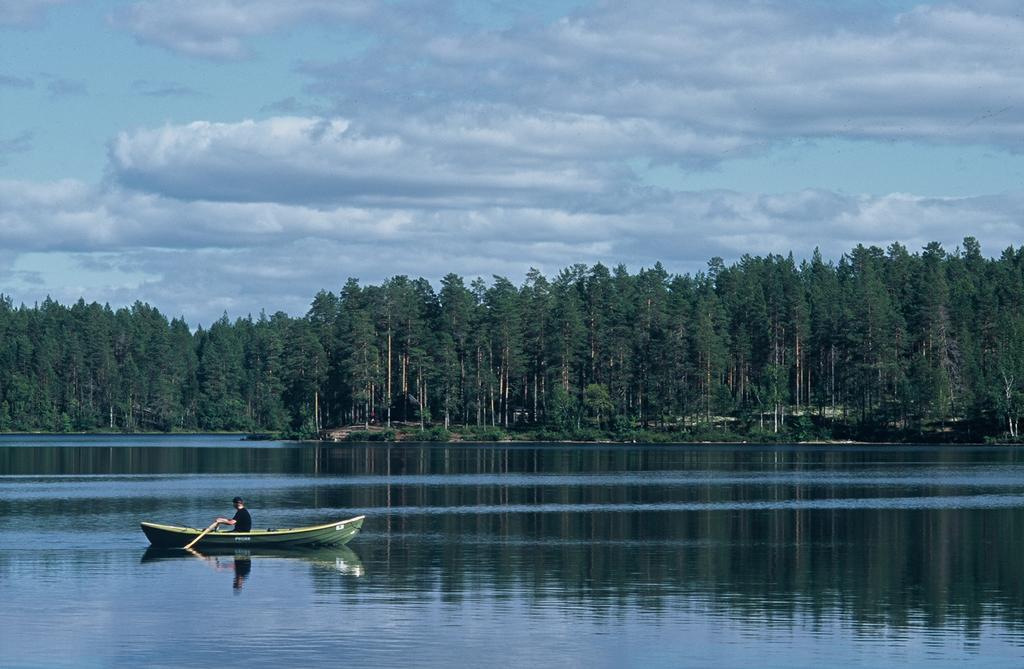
(587, 556)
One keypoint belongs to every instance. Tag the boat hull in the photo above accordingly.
(331, 534)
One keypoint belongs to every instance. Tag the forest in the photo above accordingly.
(879, 345)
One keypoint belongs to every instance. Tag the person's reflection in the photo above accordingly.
(242, 567)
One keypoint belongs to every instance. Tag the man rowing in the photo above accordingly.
(242, 522)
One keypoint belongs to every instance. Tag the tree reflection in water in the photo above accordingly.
(879, 534)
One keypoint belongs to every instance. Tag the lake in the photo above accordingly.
(588, 555)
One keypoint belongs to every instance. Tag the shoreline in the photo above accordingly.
(117, 433)
(457, 438)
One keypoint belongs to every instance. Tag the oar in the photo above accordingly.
(205, 532)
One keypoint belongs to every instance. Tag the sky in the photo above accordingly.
(233, 156)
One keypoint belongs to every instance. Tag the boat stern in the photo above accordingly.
(168, 536)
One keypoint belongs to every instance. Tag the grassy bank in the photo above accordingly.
(799, 432)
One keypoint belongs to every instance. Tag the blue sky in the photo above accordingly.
(232, 155)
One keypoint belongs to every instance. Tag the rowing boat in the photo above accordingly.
(330, 534)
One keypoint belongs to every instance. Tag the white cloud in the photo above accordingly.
(321, 161)
(200, 258)
(563, 104)
(484, 152)
(218, 28)
(743, 70)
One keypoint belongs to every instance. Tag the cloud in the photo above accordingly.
(445, 148)
(20, 143)
(198, 258)
(218, 29)
(59, 87)
(689, 84)
(750, 71)
(291, 106)
(163, 89)
(25, 13)
(7, 81)
(321, 161)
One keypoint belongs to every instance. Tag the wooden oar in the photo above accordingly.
(205, 532)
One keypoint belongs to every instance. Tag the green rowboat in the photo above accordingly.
(331, 534)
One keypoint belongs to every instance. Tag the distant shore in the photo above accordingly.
(121, 433)
(485, 434)
(488, 435)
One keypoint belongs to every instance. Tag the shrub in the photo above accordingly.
(484, 433)
(363, 435)
(432, 434)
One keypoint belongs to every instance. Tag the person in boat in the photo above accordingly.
(242, 522)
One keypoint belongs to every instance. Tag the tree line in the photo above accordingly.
(881, 344)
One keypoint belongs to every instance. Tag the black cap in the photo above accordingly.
(237, 500)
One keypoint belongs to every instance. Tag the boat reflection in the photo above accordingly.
(239, 560)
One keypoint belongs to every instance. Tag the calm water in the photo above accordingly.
(567, 556)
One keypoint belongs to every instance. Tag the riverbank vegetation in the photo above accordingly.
(879, 345)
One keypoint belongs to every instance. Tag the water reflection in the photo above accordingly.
(242, 568)
(239, 561)
(912, 546)
(405, 460)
